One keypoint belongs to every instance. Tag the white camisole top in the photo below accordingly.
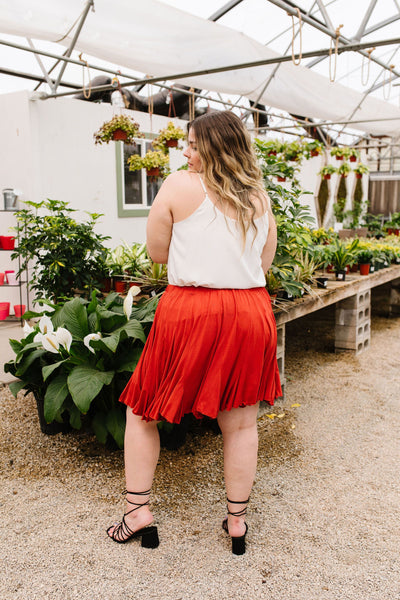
(207, 250)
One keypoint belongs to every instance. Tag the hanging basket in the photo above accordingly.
(314, 153)
(281, 178)
(154, 172)
(353, 158)
(338, 157)
(119, 135)
(358, 176)
(171, 143)
(327, 176)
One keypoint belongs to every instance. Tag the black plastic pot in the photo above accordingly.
(322, 282)
(340, 274)
(49, 428)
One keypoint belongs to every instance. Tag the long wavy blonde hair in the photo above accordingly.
(230, 166)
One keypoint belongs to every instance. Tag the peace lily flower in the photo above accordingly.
(27, 329)
(64, 338)
(45, 325)
(48, 340)
(88, 338)
(132, 292)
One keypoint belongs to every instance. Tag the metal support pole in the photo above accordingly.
(89, 4)
(42, 67)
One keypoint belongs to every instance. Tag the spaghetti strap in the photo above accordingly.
(202, 185)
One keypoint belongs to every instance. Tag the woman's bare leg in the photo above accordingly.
(239, 431)
(141, 451)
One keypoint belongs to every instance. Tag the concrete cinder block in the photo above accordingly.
(357, 301)
(352, 317)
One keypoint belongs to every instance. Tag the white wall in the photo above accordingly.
(50, 153)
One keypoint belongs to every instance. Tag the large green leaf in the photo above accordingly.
(100, 427)
(73, 317)
(134, 329)
(55, 396)
(47, 371)
(16, 386)
(27, 362)
(85, 383)
(130, 360)
(16, 345)
(116, 426)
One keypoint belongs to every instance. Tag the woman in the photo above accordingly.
(212, 348)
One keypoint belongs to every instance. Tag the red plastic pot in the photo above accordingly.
(353, 158)
(327, 176)
(119, 134)
(11, 277)
(364, 269)
(19, 310)
(2, 276)
(314, 152)
(7, 242)
(358, 176)
(4, 310)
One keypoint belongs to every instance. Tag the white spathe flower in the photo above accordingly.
(132, 292)
(64, 338)
(48, 341)
(27, 329)
(88, 338)
(45, 325)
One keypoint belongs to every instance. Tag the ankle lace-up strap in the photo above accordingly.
(137, 504)
(239, 513)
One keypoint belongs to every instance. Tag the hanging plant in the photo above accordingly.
(340, 153)
(293, 151)
(120, 127)
(354, 154)
(313, 148)
(327, 171)
(360, 169)
(344, 169)
(169, 137)
(155, 163)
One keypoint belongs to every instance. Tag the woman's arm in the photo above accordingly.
(159, 225)
(268, 253)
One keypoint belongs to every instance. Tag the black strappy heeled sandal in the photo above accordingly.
(122, 532)
(238, 542)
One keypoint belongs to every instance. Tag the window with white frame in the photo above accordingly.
(136, 190)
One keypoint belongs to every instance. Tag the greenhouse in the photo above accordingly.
(96, 99)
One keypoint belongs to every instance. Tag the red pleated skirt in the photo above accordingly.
(208, 350)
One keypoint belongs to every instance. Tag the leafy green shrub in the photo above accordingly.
(79, 357)
(62, 254)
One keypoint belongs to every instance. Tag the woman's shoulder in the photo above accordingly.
(182, 178)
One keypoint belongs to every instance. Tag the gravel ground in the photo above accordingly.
(324, 513)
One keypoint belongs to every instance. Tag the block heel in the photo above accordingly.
(238, 543)
(150, 537)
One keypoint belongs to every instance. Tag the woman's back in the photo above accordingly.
(207, 247)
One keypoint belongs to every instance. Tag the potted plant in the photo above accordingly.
(168, 137)
(342, 255)
(313, 148)
(344, 169)
(339, 153)
(360, 169)
(364, 258)
(78, 358)
(120, 127)
(392, 226)
(327, 171)
(155, 163)
(353, 154)
(65, 257)
(293, 151)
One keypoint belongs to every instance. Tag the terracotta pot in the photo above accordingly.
(281, 178)
(119, 134)
(353, 158)
(120, 286)
(171, 143)
(364, 269)
(154, 172)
